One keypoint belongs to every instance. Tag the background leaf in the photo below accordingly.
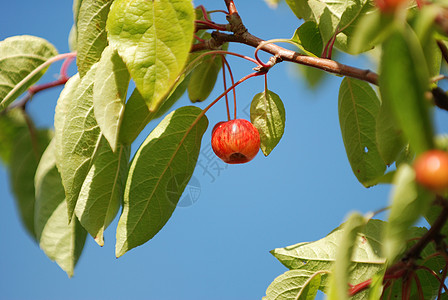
(19, 56)
(389, 137)
(358, 109)
(102, 192)
(61, 241)
(109, 95)
(268, 115)
(403, 81)
(154, 39)
(12, 125)
(25, 157)
(203, 78)
(159, 172)
(91, 30)
(408, 203)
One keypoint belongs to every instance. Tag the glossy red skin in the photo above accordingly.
(235, 141)
(431, 170)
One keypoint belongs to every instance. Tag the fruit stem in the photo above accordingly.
(233, 82)
(225, 86)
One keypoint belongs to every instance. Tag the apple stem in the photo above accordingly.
(225, 86)
(229, 89)
(233, 82)
(266, 83)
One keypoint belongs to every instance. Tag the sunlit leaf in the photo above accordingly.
(154, 39)
(109, 94)
(91, 29)
(372, 29)
(158, 174)
(294, 285)
(308, 38)
(20, 58)
(62, 108)
(79, 140)
(321, 255)
(102, 192)
(61, 241)
(339, 278)
(358, 109)
(268, 115)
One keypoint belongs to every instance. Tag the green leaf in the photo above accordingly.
(154, 39)
(339, 279)
(403, 81)
(79, 138)
(12, 125)
(308, 39)
(20, 58)
(294, 285)
(389, 137)
(91, 28)
(203, 78)
(376, 287)
(159, 172)
(268, 115)
(321, 255)
(109, 94)
(350, 22)
(372, 29)
(102, 192)
(331, 16)
(358, 108)
(61, 111)
(408, 203)
(61, 241)
(424, 25)
(25, 157)
(137, 114)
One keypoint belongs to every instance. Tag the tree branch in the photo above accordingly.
(242, 35)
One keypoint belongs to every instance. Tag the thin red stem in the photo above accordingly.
(211, 25)
(204, 13)
(357, 288)
(259, 60)
(198, 38)
(434, 274)
(225, 86)
(419, 286)
(233, 82)
(218, 10)
(230, 88)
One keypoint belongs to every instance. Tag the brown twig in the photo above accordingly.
(241, 35)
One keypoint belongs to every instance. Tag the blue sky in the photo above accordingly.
(217, 248)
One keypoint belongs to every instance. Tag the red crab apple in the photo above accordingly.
(235, 141)
(431, 170)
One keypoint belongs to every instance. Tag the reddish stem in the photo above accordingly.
(419, 286)
(230, 88)
(233, 82)
(198, 38)
(211, 25)
(225, 87)
(357, 288)
(231, 7)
